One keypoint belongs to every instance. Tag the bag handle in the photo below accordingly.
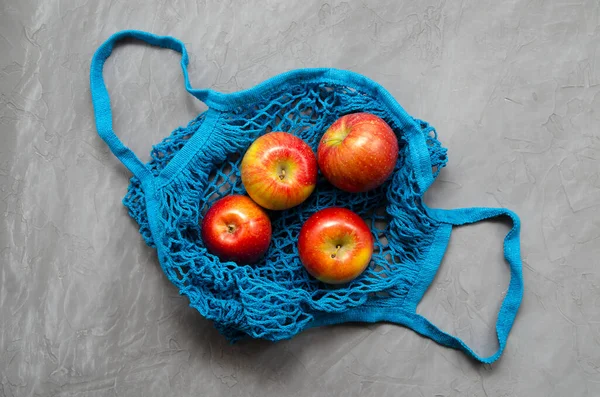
(404, 312)
(512, 300)
(101, 100)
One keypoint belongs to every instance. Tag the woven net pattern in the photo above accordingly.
(276, 298)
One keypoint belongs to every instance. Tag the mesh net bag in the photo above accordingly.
(276, 298)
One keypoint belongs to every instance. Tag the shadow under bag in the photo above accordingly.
(276, 298)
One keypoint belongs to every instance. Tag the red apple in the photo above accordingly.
(358, 152)
(236, 229)
(335, 245)
(279, 170)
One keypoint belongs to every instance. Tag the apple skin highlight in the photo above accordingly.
(358, 152)
(279, 171)
(335, 245)
(236, 229)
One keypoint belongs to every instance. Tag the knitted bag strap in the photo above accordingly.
(101, 100)
(405, 312)
(514, 295)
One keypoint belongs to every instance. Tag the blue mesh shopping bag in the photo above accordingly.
(276, 298)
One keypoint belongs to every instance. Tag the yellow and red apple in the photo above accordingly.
(279, 171)
(236, 229)
(358, 152)
(335, 245)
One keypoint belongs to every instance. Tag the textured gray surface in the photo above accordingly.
(513, 88)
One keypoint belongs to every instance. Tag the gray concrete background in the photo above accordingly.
(513, 88)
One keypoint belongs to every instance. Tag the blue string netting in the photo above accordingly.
(276, 298)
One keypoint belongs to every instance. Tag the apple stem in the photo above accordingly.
(282, 175)
(334, 140)
(230, 228)
(336, 251)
